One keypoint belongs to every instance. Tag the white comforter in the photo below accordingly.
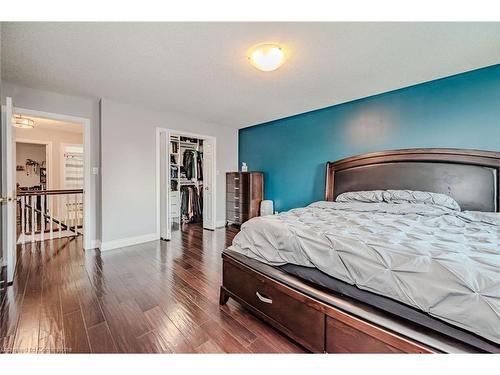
(444, 262)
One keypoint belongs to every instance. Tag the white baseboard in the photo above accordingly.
(123, 242)
(95, 244)
(220, 224)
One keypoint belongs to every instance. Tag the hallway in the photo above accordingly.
(157, 297)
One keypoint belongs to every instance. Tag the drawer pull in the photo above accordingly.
(236, 208)
(236, 197)
(236, 188)
(263, 299)
(236, 178)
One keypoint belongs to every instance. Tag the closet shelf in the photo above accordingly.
(191, 146)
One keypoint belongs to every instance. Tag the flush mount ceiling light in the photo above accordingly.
(23, 122)
(267, 57)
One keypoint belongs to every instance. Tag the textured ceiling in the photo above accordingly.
(201, 70)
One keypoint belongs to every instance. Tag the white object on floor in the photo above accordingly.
(266, 208)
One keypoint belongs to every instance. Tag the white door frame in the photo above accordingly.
(88, 198)
(10, 191)
(48, 157)
(182, 133)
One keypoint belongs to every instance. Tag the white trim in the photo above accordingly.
(163, 147)
(88, 199)
(157, 180)
(181, 133)
(129, 241)
(48, 157)
(9, 189)
(95, 244)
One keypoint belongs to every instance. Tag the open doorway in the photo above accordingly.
(186, 181)
(50, 177)
(29, 207)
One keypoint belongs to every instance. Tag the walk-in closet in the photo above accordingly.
(187, 181)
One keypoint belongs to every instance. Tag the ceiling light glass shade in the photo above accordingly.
(267, 57)
(23, 122)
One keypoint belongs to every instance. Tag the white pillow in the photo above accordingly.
(370, 196)
(399, 196)
(423, 197)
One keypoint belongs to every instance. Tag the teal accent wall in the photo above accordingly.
(461, 111)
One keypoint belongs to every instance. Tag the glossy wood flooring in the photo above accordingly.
(157, 297)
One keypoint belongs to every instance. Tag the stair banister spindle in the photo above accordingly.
(42, 217)
(75, 199)
(23, 218)
(33, 218)
(59, 212)
(66, 213)
(50, 202)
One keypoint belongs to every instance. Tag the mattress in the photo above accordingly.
(442, 262)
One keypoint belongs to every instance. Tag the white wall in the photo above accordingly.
(58, 138)
(128, 159)
(24, 151)
(47, 101)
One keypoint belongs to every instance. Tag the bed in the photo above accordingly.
(377, 277)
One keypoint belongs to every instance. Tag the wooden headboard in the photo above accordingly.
(471, 177)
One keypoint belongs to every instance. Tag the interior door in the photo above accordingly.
(209, 184)
(165, 215)
(9, 190)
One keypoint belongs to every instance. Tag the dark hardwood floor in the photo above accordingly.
(157, 297)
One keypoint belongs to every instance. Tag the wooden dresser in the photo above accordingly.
(244, 192)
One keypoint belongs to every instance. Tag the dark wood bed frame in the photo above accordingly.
(323, 321)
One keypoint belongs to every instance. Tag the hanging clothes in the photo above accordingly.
(191, 204)
(199, 165)
(189, 163)
(192, 163)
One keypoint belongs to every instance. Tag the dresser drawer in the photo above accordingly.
(237, 178)
(296, 318)
(236, 217)
(237, 183)
(237, 197)
(237, 207)
(236, 189)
